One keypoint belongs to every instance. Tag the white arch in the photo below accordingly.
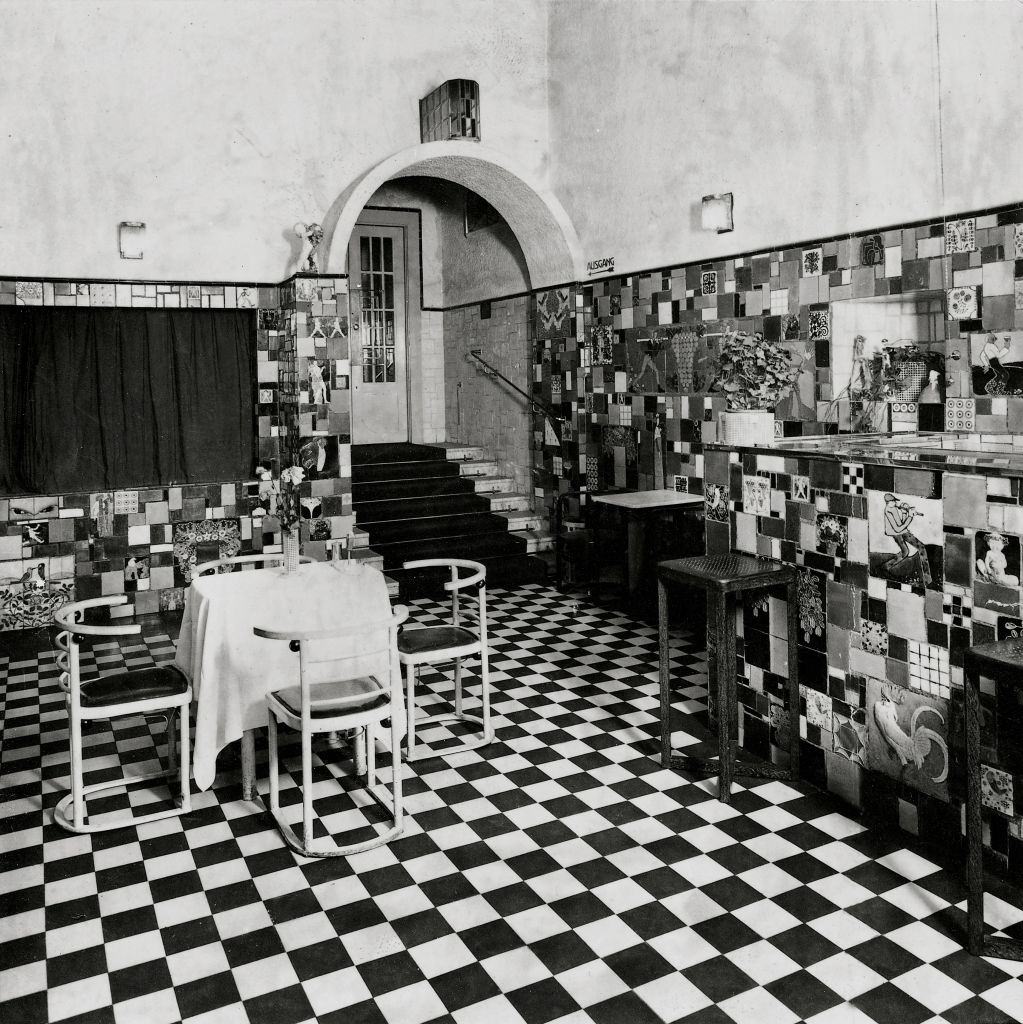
(539, 222)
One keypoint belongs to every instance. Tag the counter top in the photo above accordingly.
(994, 454)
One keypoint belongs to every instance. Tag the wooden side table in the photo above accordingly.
(725, 578)
(1003, 662)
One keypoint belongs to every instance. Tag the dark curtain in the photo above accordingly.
(93, 399)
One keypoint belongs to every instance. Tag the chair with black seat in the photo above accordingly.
(241, 562)
(585, 532)
(452, 642)
(349, 680)
(161, 690)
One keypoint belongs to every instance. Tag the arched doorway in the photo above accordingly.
(549, 245)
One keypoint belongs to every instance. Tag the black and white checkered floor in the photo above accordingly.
(559, 875)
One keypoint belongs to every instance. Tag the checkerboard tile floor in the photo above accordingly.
(558, 875)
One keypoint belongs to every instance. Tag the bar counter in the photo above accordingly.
(966, 453)
(907, 549)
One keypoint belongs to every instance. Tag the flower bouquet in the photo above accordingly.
(283, 497)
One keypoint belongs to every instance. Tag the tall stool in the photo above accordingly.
(1001, 661)
(724, 578)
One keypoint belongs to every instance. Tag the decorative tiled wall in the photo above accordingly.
(632, 351)
(625, 361)
(899, 571)
(146, 541)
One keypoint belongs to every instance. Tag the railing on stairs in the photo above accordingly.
(542, 407)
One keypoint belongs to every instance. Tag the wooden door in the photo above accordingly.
(376, 273)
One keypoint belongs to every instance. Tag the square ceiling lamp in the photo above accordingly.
(451, 111)
(716, 213)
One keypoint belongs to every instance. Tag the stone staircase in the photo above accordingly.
(415, 501)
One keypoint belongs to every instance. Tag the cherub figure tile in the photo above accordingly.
(998, 558)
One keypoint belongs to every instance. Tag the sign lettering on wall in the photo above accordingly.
(605, 265)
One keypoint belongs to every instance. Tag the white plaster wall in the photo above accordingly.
(821, 118)
(222, 124)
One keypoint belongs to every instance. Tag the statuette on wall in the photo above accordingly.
(311, 235)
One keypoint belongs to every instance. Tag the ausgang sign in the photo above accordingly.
(605, 265)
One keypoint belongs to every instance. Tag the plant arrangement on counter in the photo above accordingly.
(896, 373)
(754, 375)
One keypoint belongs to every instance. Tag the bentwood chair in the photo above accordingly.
(452, 642)
(162, 690)
(259, 561)
(335, 694)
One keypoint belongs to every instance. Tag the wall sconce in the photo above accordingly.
(129, 239)
(716, 214)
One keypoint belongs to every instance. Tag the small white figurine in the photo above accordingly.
(312, 235)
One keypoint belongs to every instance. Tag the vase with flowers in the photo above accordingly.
(283, 497)
(754, 375)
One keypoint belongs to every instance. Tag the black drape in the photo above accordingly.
(93, 399)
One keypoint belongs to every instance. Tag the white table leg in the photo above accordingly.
(249, 791)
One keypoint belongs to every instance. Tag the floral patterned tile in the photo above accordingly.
(813, 262)
(960, 235)
(962, 303)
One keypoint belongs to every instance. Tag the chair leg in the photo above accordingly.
(410, 709)
(172, 743)
(726, 694)
(664, 664)
(458, 686)
(307, 788)
(792, 601)
(974, 824)
(186, 761)
(77, 770)
(371, 755)
(485, 684)
(360, 751)
(271, 738)
(396, 772)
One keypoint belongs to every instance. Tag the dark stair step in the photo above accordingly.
(415, 505)
(414, 487)
(473, 524)
(364, 454)
(502, 571)
(404, 470)
(475, 547)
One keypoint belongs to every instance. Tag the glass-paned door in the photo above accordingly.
(376, 272)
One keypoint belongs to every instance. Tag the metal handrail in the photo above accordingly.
(489, 371)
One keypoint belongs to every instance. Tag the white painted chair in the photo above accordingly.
(438, 645)
(332, 696)
(256, 561)
(161, 690)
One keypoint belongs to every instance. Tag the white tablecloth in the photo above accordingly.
(232, 670)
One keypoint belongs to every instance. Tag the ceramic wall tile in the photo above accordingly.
(997, 363)
(905, 538)
(959, 414)
(960, 235)
(961, 303)
(813, 262)
(997, 790)
(849, 728)
(756, 495)
(907, 737)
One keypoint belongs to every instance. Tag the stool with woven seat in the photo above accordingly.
(725, 578)
(1001, 661)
